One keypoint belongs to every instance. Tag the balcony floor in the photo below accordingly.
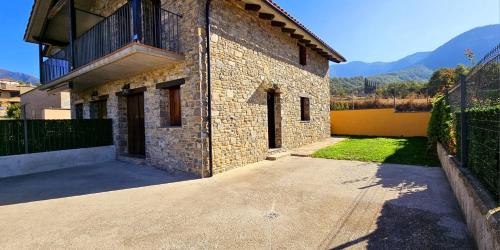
(128, 61)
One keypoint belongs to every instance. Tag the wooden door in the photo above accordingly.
(135, 118)
(271, 121)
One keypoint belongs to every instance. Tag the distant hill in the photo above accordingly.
(413, 73)
(419, 66)
(6, 74)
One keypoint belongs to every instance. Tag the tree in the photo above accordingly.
(14, 111)
(441, 79)
(461, 70)
(445, 78)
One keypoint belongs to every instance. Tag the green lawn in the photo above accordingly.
(412, 151)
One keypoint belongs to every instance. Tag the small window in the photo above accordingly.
(174, 106)
(15, 94)
(303, 55)
(79, 111)
(304, 109)
(99, 110)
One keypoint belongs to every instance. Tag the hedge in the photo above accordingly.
(483, 128)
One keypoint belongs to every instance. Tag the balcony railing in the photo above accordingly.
(160, 29)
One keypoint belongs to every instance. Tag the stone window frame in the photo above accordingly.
(165, 88)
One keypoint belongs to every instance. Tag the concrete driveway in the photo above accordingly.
(298, 203)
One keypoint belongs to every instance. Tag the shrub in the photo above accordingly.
(441, 125)
(14, 111)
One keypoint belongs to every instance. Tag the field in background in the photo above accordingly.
(400, 105)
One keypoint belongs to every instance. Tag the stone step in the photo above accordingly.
(301, 153)
(274, 157)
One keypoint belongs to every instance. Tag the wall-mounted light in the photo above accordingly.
(126, 89)
(94, 96)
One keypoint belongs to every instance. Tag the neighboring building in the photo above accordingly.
(10, 92)
(40, 104)
(266, 85)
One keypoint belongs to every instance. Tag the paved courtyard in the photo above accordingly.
(298, 203)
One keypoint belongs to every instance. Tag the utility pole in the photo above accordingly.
(394, 95)
(353, 100)
(25, 123)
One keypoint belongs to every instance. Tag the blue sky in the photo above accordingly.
(365, 30)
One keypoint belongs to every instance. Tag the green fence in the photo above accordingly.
(53, 135)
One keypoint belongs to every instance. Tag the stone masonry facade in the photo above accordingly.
(249, 59)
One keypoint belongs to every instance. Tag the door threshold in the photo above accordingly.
(134, 159)
(133, 156)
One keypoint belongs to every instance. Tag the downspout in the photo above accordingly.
(209, 87)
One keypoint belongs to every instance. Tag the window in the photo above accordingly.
(98, 110)
(15, 93)
(174, 104)
(170, 105)
(304, 109)
(303, 55)
(79, 111)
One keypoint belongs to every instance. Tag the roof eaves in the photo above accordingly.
(29, 21)
(275, 6)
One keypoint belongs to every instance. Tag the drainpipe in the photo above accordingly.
(209, 86)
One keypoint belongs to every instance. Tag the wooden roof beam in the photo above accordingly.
(252, 7)
(266, 16)
(278, 24)
(56, 9)
(305, 41)
(288, 30)
(51, 42)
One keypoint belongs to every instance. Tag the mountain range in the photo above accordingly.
(16, 76)
(421, 65)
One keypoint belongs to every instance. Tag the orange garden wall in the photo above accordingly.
(56, 114)
(379, 122)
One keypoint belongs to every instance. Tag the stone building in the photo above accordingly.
(196, 86)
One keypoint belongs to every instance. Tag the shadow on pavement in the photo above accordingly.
(425, 215)
(104, 177)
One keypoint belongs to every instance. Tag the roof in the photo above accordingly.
(332, 53)
(27, 38)
(291, 18)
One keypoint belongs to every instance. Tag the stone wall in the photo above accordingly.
(175, 148)
(476, 204)
(249, 56)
